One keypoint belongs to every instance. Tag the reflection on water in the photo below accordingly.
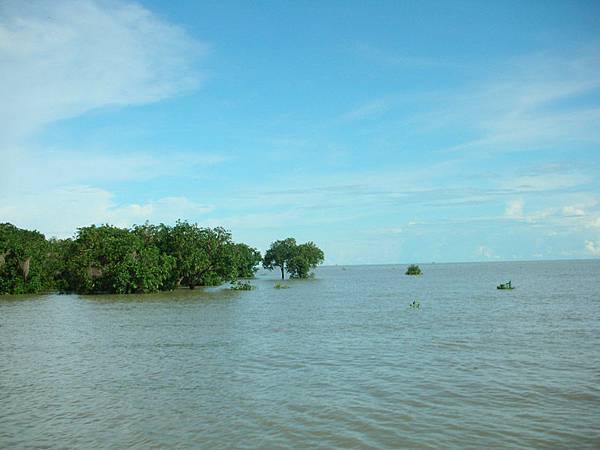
(338, 361)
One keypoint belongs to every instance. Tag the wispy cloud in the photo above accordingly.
(529, 103)
(483, 251)
(533, 103)
(592, 247)
(62, 58)
(60, 211)
(514, 210)
(368, 109)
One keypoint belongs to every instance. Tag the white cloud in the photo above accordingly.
(573, 211)
(546, 182)
(529, 103)
(62, 58)
(483, 251)
(514, 210)
(165, 210)
(61, 210)
(592, 247)
(594, 222)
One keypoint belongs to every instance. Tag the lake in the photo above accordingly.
(338, 361)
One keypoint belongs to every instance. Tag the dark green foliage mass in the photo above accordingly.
(203, 256)
(114, 260)
(246, 260)
(144, 258)
(413, 269)
(23, 261)
(279, 255)
(298, 260)
(108, 259)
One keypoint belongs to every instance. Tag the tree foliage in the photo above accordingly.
(246, 260)
(114, 260)
(203, 256)
(413, 269)
(297, 260)
(23, 261)
(108, 259)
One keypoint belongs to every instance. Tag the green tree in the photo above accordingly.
(279, 255)
(203, 256)
(413, 269)
(298, 260)
(114, 260)
(307, 257)
(246, 260)
(23, 261)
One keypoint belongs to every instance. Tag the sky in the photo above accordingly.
(385, 132)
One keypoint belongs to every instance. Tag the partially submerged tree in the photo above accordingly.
(145, 258)
(279, 255)
(246, 261)
(413, 269)
(297, 260)
(114, 260)
(308, 256)
(23, 261)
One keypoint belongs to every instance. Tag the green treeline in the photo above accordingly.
(144, 258)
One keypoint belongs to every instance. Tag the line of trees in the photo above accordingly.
(144, 258)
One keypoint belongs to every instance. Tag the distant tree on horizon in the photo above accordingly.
(413, 269)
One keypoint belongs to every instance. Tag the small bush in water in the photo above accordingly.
(241, 286)
(413, 269)
(281, 286)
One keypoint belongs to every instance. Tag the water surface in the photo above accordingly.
(339, 361)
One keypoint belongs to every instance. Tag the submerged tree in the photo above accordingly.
(23, 261)
(114, 260)
(144, 258)
(246, 260)
(279, 255)
(203, 256)
(297, 260)
(308, 256)
(413, 269)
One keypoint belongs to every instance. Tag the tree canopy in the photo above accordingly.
(413, 269)
(143, 258)
(296, 259)
(24, 257)
(108, 259)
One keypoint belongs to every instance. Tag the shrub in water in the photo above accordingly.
(241, 286)
(413, 269)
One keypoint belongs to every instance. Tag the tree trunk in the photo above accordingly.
(282, 273)
(25, 267)
(3, 257)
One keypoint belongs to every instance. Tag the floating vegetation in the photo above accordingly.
(413, 269)
(282, 286)
(505, 286)
(415, 304)
(241, 286)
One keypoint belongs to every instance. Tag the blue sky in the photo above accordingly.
(384, 131)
